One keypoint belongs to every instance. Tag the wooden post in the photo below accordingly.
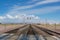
(55, 26)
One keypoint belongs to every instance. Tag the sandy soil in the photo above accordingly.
(51, 27)
(5, 28)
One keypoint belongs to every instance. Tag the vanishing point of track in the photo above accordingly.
(30, 32)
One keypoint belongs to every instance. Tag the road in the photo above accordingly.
(30, 32)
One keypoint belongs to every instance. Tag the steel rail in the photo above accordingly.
(24, 35)
(49, 32)
(35, 33)
(5, 37)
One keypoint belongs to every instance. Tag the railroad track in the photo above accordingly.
(49, 32)
(30, 32)
(12, 33)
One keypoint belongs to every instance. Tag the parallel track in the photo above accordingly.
(50, 32)
(10, 33)
(25, 32)
(47, 30)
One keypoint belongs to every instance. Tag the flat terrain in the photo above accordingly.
(54, 27)
(30, 32)
(8, 27)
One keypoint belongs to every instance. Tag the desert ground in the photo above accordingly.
(54, 27)
(27, 30)
(8, 27)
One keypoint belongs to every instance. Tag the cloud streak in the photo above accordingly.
(36, 4)
(19, 12)
(35, 11)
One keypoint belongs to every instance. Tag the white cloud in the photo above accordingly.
(49, 21)
(36, 4)
(15, 9)
(21, 15)
(43, 10)
(53, 22)
(9, 16)
(38, 11)
(2, 17)
(46, 2)
(24, 18)
(19, 18)
(15, 14)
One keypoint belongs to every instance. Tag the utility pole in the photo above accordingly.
(55, 26)
(46, 22)
(29, 19)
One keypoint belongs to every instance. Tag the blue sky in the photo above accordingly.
(16, 11)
